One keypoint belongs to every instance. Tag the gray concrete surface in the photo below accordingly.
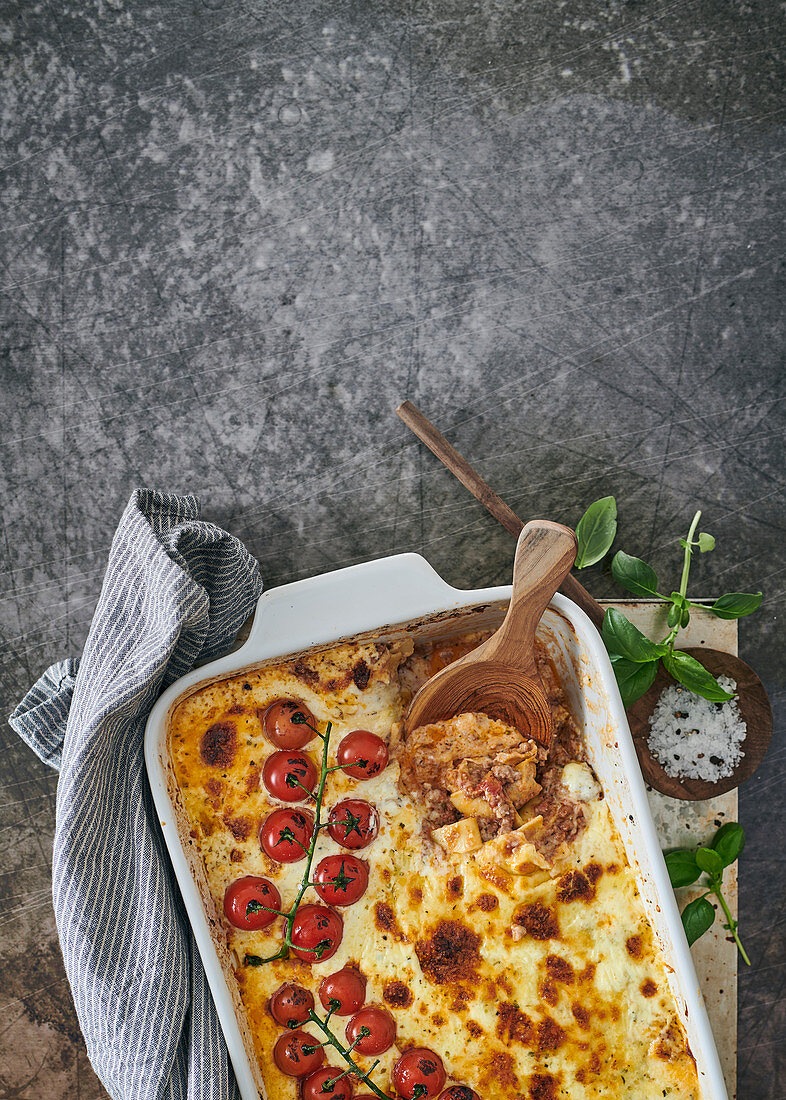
(236, 234)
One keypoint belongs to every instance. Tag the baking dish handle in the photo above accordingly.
(349, 601)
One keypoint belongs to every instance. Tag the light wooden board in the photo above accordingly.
(691, 823)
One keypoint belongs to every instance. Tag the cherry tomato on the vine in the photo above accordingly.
(286, 834)
(291, 1004)
(288, 724)
(297, 1053)
(362, 754)
(316, 932)
(318, 1085)
(459, 1092)
(353, 823)
(374, 1028)
(346, 986)
(421, 1067)
(247, 901)
(341, 879)
(287, 772)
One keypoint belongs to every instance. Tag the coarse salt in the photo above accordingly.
(693, 738)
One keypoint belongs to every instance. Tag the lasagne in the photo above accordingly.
(469, 926)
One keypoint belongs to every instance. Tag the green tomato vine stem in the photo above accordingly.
(303, 787)
(346, 1055)
(305, 882)
(283, 953)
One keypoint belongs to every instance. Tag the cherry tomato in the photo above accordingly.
(342, 880)
(316, 932)
(353, 823)
(286, 773)
(244, 899)
(297, 1053)
(287, 723)
(419, 1066)
(286, 834)
(379, 1024)
(316, 1086)
(362, 754)
(291, 1004)
(459, 1092)
(346, 986)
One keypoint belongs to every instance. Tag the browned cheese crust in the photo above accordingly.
(501, 926)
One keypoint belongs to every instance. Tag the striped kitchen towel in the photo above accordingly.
(176, 589)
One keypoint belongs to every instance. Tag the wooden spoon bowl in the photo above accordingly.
(500, 677)
(755, 711)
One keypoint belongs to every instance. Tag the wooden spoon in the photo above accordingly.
(500, 677)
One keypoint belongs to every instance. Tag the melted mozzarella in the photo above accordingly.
(526, 985)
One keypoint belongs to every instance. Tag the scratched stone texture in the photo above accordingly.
(236, 234)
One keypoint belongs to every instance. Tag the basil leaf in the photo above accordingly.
(729, 841)
(706, 542)
(682, 867)
(633, 679)
(634, 574)
(689, 672)
(595, 532)
(709, 861)
(674, 615)
(736, 604)
(697, 918)
(622, 639)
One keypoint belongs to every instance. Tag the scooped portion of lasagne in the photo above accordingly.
(448, 915)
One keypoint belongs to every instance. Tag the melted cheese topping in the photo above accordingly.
(534, 985)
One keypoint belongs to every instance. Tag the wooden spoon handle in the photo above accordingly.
(447, 454)
(470, 479)
(544, 555)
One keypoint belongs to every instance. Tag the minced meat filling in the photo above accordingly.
(462, 768)
(491, 791)
(563, 818)
(472, 766)
(440, 810)
(561, 827)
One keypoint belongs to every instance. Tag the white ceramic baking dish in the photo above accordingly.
(382, 599)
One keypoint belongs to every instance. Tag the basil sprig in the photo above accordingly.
(687, 865)
(628, 647)
(633, 679)
(734, 605)
(634, 657)
(635, 575)
(694, 676)
(595, 532)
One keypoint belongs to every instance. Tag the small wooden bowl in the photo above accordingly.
(755, 711)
